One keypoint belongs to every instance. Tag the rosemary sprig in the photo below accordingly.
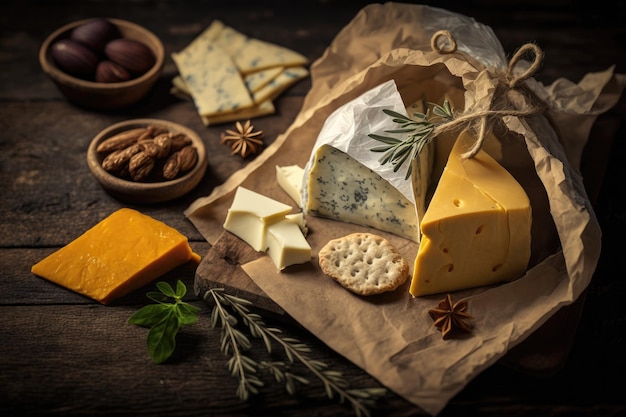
(333, 381)
(417, 132)
(234, 342)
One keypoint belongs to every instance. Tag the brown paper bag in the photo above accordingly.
(391, 336)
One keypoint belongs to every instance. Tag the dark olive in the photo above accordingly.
(132, 55)
(74, 58)
(110, 72)
(95, 34)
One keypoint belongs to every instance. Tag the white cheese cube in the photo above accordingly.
(251, 214)
(290, 180)
(287, 245)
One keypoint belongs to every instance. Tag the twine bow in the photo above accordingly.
(443, 42)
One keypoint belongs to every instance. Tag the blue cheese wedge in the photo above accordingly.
(345, 180)
(341, 188)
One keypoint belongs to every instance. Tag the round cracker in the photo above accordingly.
(364, 263)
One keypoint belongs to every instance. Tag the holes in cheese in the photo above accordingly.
(484, 235)
(122, 253)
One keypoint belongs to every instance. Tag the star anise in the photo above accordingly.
(244, 141)
(450, 317)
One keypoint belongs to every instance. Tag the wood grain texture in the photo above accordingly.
(62, 354)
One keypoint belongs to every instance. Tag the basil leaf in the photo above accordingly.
(162, 338)
(165, 319)
(186, 313)
(150, 315)
(181, 289)
(166, 289)
(159, 297)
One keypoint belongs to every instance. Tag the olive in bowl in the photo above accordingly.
(103, 64)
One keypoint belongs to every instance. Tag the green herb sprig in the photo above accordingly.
(170, 313)
(417, 132)
(165, 319)
(234, 342)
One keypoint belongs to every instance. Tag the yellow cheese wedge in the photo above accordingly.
(122, 253)
(476, 230)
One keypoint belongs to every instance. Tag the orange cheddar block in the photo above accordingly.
(122, 253)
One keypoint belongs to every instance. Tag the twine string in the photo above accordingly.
(447, 46)
(510, 79)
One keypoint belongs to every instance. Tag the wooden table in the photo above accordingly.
(65, 355)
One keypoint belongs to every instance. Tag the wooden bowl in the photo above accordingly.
(104, 96)
(146, 192)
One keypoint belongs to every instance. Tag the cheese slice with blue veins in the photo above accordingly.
(276, 86)
(213, 81)
(262, 109)
(259, 79)
(256, 55)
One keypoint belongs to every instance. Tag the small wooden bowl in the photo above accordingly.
(104, 96)
(146, 192)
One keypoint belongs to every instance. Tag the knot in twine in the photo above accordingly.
(443, 42)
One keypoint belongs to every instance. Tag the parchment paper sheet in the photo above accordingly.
(391, 336)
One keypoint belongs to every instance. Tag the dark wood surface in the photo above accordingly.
(64, 355)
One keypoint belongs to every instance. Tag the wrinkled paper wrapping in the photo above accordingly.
(391, 336)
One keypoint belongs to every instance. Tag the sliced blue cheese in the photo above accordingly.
(257, 110)
(280, 83)
(230, 40)
(212, 79)
(256, 55)
(259, 79)
(225, 72)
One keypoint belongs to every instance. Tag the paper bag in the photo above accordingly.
(391, 336)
